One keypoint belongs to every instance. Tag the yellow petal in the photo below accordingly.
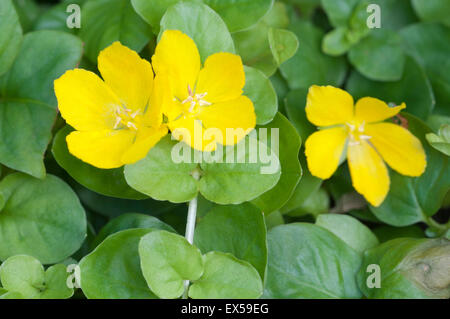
(190, 130)
(369, 174)
(323, 150)
(85, 101)
(129, 76)
(222, 77)
(327, 105)
(177, 57)
(154, 113)
(398, 147)
(234, 119)
(369, 109)
(145, 140)
(102, 149)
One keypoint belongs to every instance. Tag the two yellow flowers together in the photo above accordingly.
(358, 133)
(118, 119)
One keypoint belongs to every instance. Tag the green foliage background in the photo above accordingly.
(285, 235)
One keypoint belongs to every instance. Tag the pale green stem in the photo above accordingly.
(189, 234)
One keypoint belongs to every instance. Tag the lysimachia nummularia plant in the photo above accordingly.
(153, 149)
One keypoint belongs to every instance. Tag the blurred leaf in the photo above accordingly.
(355, 234)
(28, 11)
(128, 221)
(109, 182)
(10, 35)
(260, 90)
(202, 24)
(429, 44)
(411, 200)
(287, 145)
(385, 233)
(225, 229)
(339, 11)
(395, 14)
(307, 261)
(336, 42)
(410, 268)
(379, 56)
(106, 21)
(295, 109)
(413, 88)
(433, 10)
(309, 65)
(226, 277)
(112, 270)
(167, 260)
(47, 211)
(283, 44)
(441, 142)
(25, 275)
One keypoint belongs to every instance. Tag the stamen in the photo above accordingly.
(118, 120)
(131, 125)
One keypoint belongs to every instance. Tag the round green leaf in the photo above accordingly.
(225, 229)
(441, 142)
(379, 56)
(10, 35)
(106, 21)
(336, 42)
(47, 211)
(25, 275)
(307, 261)
(226, 277)
(309, 65)
(27, 101)
(259, 89)
(127, 221)
(159, 177)
(113, 270)
(354, 233)
(339, 11)
(409, 268)
(109, 182)
(433, 10)
(411, 200)
(167, 260)
(283, 44)
(395, 14)
(288, 147)
(385, 233)
(202, 24)
(413, 88)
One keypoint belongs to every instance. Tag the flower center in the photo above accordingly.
(195, 100)
(126, 118)
(356, 133)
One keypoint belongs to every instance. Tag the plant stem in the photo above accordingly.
(189, 234)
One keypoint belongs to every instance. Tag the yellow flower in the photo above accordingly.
(203, 98)
(117, 120)
(368, 141)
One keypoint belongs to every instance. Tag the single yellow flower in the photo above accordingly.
(117, 120)
(202, 98)
(368, 140)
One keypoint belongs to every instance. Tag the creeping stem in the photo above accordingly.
(190, 228)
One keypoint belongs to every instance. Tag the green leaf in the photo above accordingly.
(28, 11)
(225, 229)
(441, 142)
(27, 101)
(336, 42)
(25, 275)
(106, 21)
(410, 268)
(433, 10)
(10, 35)
(355, 234)
(202, 24)
(411, 200)
(167, 260)
(113, 269)
(307, 261)
(339, 11)
(260, 90)
(385, 233)
(316, 203)
(47, 211)
(127, 221)
(395, 14)
(413, 88)
(288, 145)
(295, 108)
(379, 56)
(254, 46)
(283, 44)
(160, 177)
(226, 277)
(309, 65)
(109, 182)
(55, 17)
(429, 44)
